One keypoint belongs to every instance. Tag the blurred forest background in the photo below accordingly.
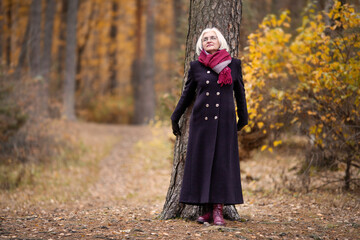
(122, 62)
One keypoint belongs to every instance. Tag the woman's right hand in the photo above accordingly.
(175, 128)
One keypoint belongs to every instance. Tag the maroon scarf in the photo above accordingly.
(218, 62)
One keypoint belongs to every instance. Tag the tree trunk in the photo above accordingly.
(35, 38)
(84, 82)
(226, 16)
(2, 38)
(144, 92)
(46, 57)
(8, 37)
(23, 51)
(70, 61)
(137, 65)
(148, 101)
(113, 48)
(176, 53)
(48, 37)
(347, 177)
(61, 46)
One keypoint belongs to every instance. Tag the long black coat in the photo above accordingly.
(212, 171)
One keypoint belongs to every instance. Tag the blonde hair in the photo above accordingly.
(222, 41)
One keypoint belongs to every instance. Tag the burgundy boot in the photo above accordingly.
(218, 215)
(207, 217)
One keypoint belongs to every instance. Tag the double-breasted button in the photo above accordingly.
(206, 118)
(207, 105)
(208, 72)
(207, 93)
(216, 117)
(218, 93)
(207, 81)
(217, 105)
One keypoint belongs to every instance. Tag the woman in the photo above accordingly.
(212, 171)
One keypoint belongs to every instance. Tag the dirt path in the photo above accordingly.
(129, 192)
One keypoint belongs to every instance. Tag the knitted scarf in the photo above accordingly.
(218, 62)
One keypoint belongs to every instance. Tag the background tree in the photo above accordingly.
(46, 59)
(143, 68)
(70, 61)
(35, 38)
(113, 47)
(2, 37)
(7, 9)
(137, 73)
(226, 16)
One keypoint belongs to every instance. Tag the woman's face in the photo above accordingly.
(210, 42)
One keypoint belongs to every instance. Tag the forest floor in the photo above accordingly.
(125, 187)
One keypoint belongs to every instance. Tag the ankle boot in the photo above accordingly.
(207, 217)
(218, 215)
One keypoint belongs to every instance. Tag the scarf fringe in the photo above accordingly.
(225, 76)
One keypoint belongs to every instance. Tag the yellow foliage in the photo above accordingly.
(313, 77)
(276, 143)
(263, 148)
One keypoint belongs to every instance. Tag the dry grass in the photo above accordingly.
(65, 176)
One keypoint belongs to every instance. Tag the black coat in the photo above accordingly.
(212, 171)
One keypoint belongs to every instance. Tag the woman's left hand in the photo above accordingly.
(175, 128)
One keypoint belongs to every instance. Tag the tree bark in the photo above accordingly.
(226, 16)
(70, 61)
(35, 38)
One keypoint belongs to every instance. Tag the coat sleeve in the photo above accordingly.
(240, 97)
(187, 96)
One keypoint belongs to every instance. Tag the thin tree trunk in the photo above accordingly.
(60, 62)
(35, 38)
(148, 93)
(137, 64)
(226, 16)
(113, 48)
(8, 37)
(46, 56)
(70, 61)
(178, 15)
(145, 92)
(347, 177)
(84, 83)
(176, 54)
(2, 38)
(23, 51)
(48, 38)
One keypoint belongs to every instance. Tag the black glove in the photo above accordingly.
(175, 128)
(240, 125)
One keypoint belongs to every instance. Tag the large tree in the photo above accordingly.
(226, 16)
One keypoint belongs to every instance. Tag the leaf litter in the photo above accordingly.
(128, 194)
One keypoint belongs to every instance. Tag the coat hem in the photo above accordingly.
(202, 203)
